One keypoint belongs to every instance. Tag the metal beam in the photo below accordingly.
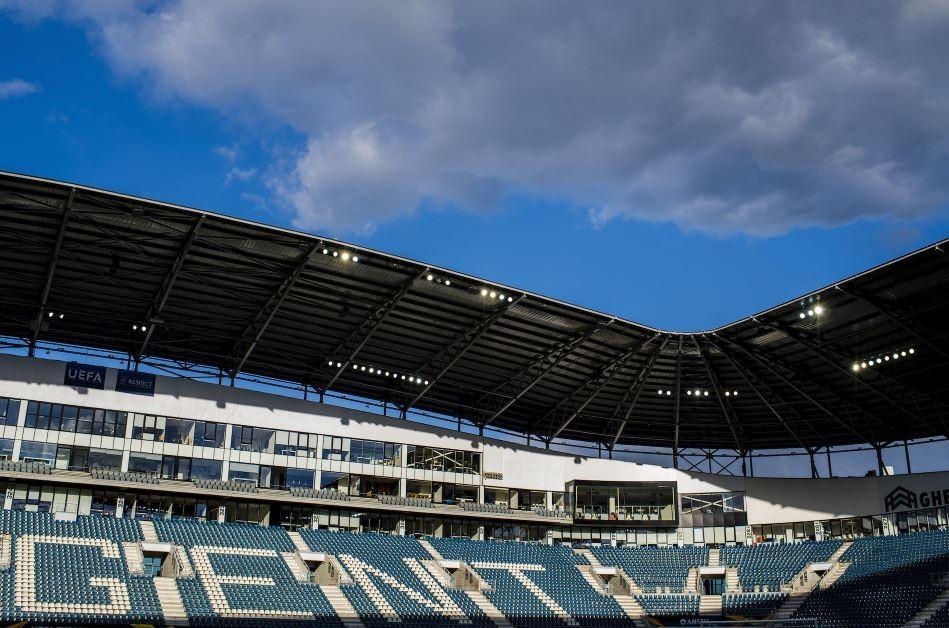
(798, 389)
(51, 271)
(255, 330)
(899, 321)
(367, 329)
(153, 315)
(819, 350)
(443, 362)
(520, 384)
(727, 410)
(757, 392)
(634, 392)
(595, 385)
(678, 403)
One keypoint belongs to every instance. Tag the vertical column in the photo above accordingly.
(222, 513)
(20, 421)
(226, 462)
(120, 507)
(830, 464)
(403, 486)
(549, 500)
(8, 498)
(909, 465)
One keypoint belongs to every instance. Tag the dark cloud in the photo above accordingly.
(724, 117)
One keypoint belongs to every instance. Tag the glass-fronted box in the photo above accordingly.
(632, 504)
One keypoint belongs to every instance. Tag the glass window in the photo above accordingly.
(38, 452)
(9, 411)
(204, 469)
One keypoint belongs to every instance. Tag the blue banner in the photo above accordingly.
(135, 383)
(84, 375)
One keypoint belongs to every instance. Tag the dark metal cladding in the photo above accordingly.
(231, 294)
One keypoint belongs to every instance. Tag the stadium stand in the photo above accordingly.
(755, 605)
(654, 569)
(889, 580)
(72, 571)
(767, 566)
(67, 569)
(240, 573)
(556, 592)
(394, 576)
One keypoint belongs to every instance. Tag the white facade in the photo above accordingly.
(768, 500)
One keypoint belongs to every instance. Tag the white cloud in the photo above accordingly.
(729, 117)
(16, 87)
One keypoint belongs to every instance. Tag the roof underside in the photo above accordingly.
(248, 298)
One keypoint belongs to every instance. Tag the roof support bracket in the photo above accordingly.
(367, 329)
(51, 271)
(153, 315)
(520, 384)
(443, 362)
(255, 330)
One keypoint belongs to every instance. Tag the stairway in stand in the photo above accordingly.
(790, 605)
(428, 547)
(588, 555)
(148, 532)
(713, 557)
(172, 606)
(840, 551)
(338, 600)
(489, 609)
(298, 541)
(930, 609)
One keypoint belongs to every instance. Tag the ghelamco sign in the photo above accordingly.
(901, 498)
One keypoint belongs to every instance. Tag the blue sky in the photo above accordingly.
(746, 200)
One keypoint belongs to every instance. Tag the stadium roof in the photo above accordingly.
(99, 269)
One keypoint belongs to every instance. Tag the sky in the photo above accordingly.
(681, 165)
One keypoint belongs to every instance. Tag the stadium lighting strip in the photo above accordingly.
(58, 315)
(139, 327)
(346, 256)
(696, 393)
(860, 365)
(431, 277)
(817, 310)
(494, 294)
(374, 370)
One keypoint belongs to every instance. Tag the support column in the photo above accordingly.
(751, 463)
(909, 465)
(879, 449)
(830, 465)
(810, 455)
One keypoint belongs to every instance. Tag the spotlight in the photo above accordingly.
(135, 327)
(430, 277)
(886, 358)
(356, 366)
(447, 282)
(510, 299)
(371, 371)
(863, 365)
(705, 393)
(903, 353)
(362, 368)
(896, 356)
(500, 297)
(326, 251)
(493, 294)
(339, 365)
(856, 367)
(818, 309)
(668, 392)
(426, 382)
(728, 394)
(735, 393)
(911, 350)
(810, 312)
(802, 315)
(689, 393)
(484, 292)
(345, 257)
(355, 259)
(335, 253)
(879, 361)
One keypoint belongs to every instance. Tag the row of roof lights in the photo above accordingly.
(372, 370)
(494, 294)
(859, 365)
(58, 315)
(140, 327)
(346, 256)
(431, 277)
(817, 310)
(697, 393)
